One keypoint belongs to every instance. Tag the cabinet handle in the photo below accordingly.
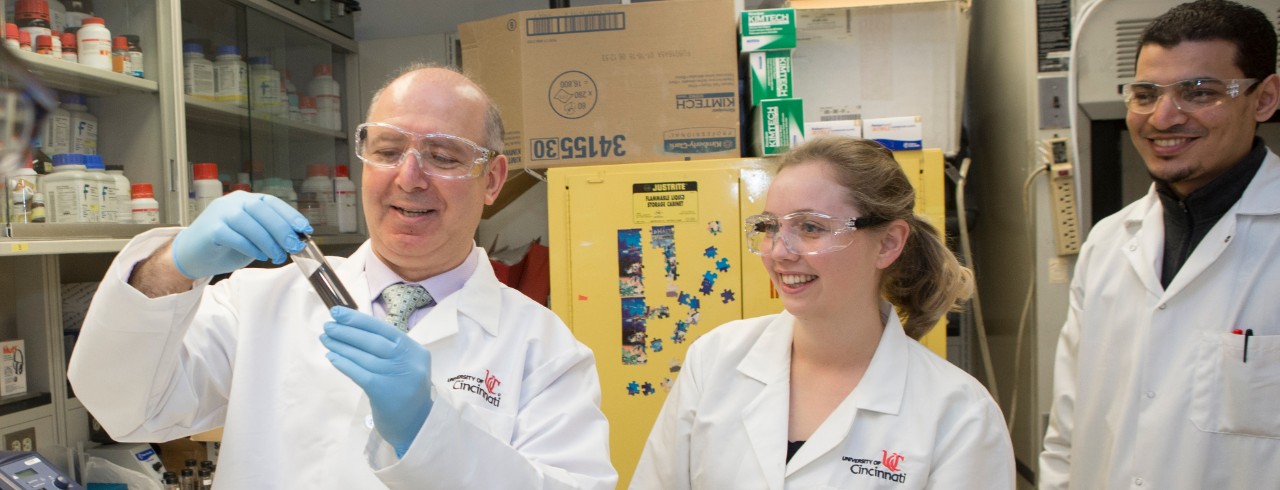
(173, 175)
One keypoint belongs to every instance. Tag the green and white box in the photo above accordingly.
(770, 75)
(767, 29)
(777, 124)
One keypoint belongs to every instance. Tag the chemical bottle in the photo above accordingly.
(44, 45)
(65, 190)
(103, 200)
(264, 87)
(24, 41)
(144, 208)
(188, 479)
(307, 109)
(37, 212)
(55, 133)
(205, 477)
(328, 97)
(229, 77)
(197, 72)
(344, 191)
(315, 200)
(206, 185)
(11, 36)
(171, 481)
(120, 60)
(135, 54)
(57, 15)
(69, 48)
(22, 188)
(121, 194)
(32, 16)
(56, 42)
(84, 126)
(77, 11)
(291, 96)
(93, 43)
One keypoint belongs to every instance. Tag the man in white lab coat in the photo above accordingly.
(1168, 367)
(486, 389)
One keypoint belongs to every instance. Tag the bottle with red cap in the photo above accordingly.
(44, 45)
(328, 96)
(93, 43)
(32, 16)
(344, 192)
(11, 36)
(146, 210)
(24, 41)
(120, 60)
(206, 185)
(69, 47)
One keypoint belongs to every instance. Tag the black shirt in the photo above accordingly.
(1187, 221)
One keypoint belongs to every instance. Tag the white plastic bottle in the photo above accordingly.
(197, 72)
(229, 77)
(56, 132)
(206, 185)
(65, 190)
(32, 17)
(93, 43)
(344, 191)
(307, 109)
(101, 206)
(264, 87)
(84, 125)
(316, 197)
(328, 97)
(121, 194)
(144, 207)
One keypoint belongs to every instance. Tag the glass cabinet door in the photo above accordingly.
(274, 120)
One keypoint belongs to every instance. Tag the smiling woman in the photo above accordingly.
(834, 391)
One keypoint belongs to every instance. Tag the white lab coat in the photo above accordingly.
(245, 353)
(724, 425)
(1150, 387)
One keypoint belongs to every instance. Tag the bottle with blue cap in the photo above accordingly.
(65, 190)
(264, 87)
(197, 72)
(103, 202)
(230, 74)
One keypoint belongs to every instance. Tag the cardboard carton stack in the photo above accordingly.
(767, 38)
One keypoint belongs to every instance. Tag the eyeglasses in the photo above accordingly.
(442, 155)
(803, 233)
(1188, 95)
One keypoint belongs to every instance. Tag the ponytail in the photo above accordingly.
(926, 281)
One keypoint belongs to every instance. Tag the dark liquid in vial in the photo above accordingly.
(330, 290)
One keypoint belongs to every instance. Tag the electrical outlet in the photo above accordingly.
(1062, 196)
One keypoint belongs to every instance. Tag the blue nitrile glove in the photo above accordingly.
(393, 369)
(236, 229)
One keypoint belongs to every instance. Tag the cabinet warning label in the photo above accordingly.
(664, 202)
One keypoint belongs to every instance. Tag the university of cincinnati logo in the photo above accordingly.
(887, 468)
(485, 388)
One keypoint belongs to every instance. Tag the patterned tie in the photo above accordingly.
(402, 300)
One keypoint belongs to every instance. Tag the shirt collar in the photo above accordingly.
(439, 286)
(1206, 204)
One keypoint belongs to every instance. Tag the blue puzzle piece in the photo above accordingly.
(727, 295)
(722, 264)
(684, 298)
(647, 388)
(706, 288)
(695, 303)
(656, 345)
(633, 388)
(678, 337)
(710, 276)
(682, 326)
(711, 252)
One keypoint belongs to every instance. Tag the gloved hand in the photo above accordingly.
(236, 229)
(393, 369)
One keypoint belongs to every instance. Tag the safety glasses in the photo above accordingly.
(803, 233)
(1187, 95)
(441, 155)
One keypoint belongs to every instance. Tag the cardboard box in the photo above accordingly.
(770, 73)
(767, 29)
(642, 82)
(777, 125)
(13, 367)
(851, 128)
(895, 133)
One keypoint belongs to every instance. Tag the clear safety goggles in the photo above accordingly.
(24, 103)
(441, 155)
(1187, 95)
(803, 233)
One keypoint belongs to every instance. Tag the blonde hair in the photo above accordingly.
(926, 280)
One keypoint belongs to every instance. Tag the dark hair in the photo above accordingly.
(493, 128)
(1219, 20)
(926, 281)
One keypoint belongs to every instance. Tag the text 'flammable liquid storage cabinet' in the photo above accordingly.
(647, 257)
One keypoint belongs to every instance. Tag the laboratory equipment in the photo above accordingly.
(137, 457)
(29, 470)
(313, 265)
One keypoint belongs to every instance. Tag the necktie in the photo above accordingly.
(401, 300)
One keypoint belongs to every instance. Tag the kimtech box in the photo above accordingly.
(767, 29)
(770, 75)
(776, 125)
(642, 82)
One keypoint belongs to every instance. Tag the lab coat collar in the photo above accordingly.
(764, 418)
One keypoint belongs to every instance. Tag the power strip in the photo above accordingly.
(1062, 195)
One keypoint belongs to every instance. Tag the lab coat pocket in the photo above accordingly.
(1232, 396)
(500, 425)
